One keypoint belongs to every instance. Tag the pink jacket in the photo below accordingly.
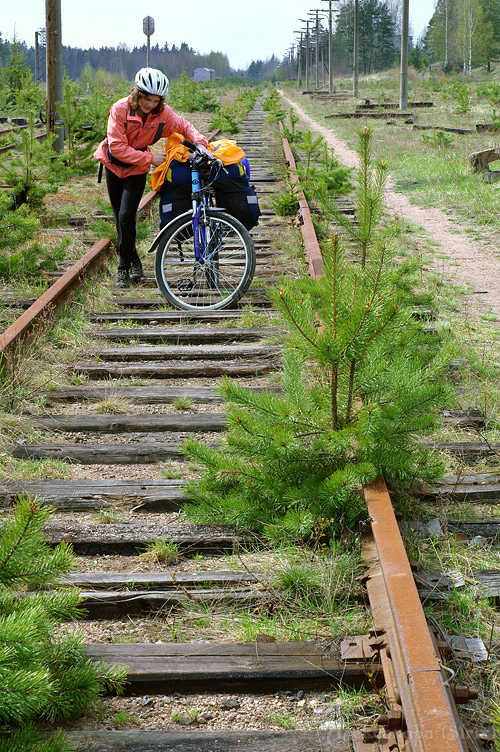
(125, 151)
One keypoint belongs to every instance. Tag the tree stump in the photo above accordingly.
(479, 160)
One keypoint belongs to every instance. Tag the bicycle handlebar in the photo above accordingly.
(190, 145)
(195, 149)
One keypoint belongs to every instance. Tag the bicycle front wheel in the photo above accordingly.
(213, 276)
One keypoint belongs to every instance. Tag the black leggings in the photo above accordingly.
(125, 195)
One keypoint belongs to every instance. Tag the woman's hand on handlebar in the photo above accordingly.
(198, 148)
(157, 160)
(205, 151)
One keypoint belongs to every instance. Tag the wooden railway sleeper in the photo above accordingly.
(377, 740)
(461, 694)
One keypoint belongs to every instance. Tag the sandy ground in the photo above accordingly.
(459, 260)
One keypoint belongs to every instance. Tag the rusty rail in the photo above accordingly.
(53, 297)
(57, 293)
(420, 693)
(311, 246)
(146, 204)
(423, 715)
(9, 147)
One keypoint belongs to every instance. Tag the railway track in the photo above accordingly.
(144, 358)
(7, 131)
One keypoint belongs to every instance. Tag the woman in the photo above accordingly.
(134, 123)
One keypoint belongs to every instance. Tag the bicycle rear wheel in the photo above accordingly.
(220, 276)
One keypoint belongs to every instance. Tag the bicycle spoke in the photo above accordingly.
(220, 276)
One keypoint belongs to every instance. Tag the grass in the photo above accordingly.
(111, 517)
(44, 469)
(15, 427)
(354, 708)
(308, 595)
(41, 362)
(287, 623)
(427, 173)
(122, 718)
(182, 403)
(162, 551)
(172, 470)
(113, 405)
(463, 613)
(283, 719)
(79, 379)
(190, 713)
(319, 583)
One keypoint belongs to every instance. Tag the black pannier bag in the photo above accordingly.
(175, 193)
(233, 192)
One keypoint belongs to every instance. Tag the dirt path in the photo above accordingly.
(457, 259)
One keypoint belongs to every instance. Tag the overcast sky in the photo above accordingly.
(244, 30)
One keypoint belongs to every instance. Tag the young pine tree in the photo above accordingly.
(361, 383)
(42, 676)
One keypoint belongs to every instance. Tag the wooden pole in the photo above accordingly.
(54, 70)
(37, 62)
(330, 50)
(355, 62)
(299, 66)
(317, 51)
(306, 21)
(403, 81)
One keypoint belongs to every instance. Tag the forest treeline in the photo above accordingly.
(378, 20)
(124, 61)
(461, 35)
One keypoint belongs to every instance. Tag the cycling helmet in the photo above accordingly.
(152, 81)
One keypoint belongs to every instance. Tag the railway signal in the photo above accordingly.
(148, 27)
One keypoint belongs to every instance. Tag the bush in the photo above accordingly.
(360, 384)
(440, 139)
(189, 95)
(286, 202)
(16, 227)
(42, 677)
(227, 119)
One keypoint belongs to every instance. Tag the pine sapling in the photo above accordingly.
(361, 384)
(369, 198)
(42, 676)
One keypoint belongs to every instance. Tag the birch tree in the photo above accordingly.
(469, 22)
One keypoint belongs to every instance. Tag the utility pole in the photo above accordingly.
(317, 51)
(316, 77)
(330, 48)
(355, 62)
(54, 70)
(291, 62)
(306, 21)
(403, 80)
(299, 58)
(37, 63)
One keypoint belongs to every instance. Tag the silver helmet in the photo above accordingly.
(152, 81)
